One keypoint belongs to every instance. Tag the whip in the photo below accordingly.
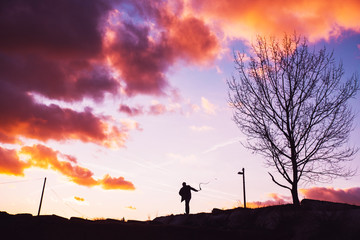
(202, 183)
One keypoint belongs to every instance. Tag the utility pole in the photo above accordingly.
(243, 173)
(42, 194)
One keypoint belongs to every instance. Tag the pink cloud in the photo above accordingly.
(143, 54)
(153, 109)
(349, 195)
(131, 111)
(157, 109)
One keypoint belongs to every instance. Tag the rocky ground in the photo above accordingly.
(312, 220)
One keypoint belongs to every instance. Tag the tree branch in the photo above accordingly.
(281, 185)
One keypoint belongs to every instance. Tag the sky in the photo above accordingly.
(118, 102)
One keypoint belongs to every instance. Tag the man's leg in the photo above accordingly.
(187, 206)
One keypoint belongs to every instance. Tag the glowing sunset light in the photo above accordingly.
(117, 103)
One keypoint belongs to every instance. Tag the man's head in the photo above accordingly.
(184, 184)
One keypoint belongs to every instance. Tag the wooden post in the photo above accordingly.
(42, 194)
(243, 173)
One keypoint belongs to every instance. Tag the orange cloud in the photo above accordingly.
(44, 157)
(245, 19)
(131, 208)
(276, 199)
(116, 183)
(79, 199)
(349, 195)
(193, 39)
(10, 163)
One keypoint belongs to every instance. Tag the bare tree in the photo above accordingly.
(292, 104)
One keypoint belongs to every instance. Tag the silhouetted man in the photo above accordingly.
(185, 193)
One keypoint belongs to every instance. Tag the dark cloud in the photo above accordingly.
(55, 48)
(59, 48)
(142, 63)
(64, 28)
(143, 52)
(56, 79)
(130, 111)
(21, 116)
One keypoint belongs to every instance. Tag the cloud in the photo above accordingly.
(245, 19)
(22, 117)
(193, 39)
(201, 128)
(143, 52)
(141, 62)
(89, 49)
(67, 51)
(221, 145)
(80, 199)
(55, 50)
(10, 163)
(183, 159)
(44, 157)
(131, 111)
(51, 47)
(349, 195)
(276, 199)
(109, 182)
(208, 107)
(130, 124)
(131, 208)
(157, 109)
(76, 200)
(50, 27)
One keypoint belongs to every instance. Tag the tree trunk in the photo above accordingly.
(295, 196)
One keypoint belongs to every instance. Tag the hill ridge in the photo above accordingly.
(312, 220)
